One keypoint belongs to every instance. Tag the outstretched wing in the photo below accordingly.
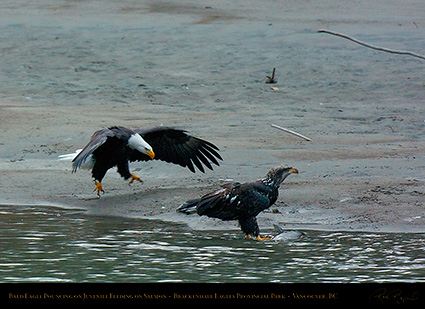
(97, 140)
(175, 146)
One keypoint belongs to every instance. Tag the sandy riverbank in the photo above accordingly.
(69, 68)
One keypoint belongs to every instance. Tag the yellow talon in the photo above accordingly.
(259, 238)
(134, 177)
(98, 187)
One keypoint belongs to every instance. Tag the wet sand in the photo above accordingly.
(70, 68)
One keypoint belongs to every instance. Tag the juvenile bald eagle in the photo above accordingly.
(242, 202)
(116, 146)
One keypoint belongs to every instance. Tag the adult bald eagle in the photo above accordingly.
(116, 146)
(242, 202)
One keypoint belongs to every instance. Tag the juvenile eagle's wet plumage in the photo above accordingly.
(117, 146)
(241, 201)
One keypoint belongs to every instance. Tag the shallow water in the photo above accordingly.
(45, 244)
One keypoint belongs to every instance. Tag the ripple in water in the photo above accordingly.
(44, 244)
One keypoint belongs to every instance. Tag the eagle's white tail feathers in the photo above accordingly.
(69, 156)
(87, 164)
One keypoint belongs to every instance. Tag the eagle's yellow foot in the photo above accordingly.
(134, 177)
(259, 238)
(98, 187)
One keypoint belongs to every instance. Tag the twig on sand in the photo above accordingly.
(392, 51)
(291, 132)
(272, 79)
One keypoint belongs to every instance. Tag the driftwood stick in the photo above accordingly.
(272, 79)
(392, 51)
(291, 132)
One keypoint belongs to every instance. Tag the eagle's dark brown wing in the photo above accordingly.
(98, 139)
(219, 204)
(234, 201)
(175, 146)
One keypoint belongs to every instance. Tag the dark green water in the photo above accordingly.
(44, 244)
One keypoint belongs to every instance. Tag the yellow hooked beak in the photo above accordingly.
(293, 171)
(150, 153)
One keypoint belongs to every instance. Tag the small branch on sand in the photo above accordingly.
(272, 79)
(291, 132)
(392, 51)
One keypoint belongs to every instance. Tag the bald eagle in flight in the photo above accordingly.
(116, 146)
(241, 201)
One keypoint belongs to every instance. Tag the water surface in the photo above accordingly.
(45, 244)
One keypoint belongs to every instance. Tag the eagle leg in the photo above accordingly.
(134, 177)
(98, 187)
